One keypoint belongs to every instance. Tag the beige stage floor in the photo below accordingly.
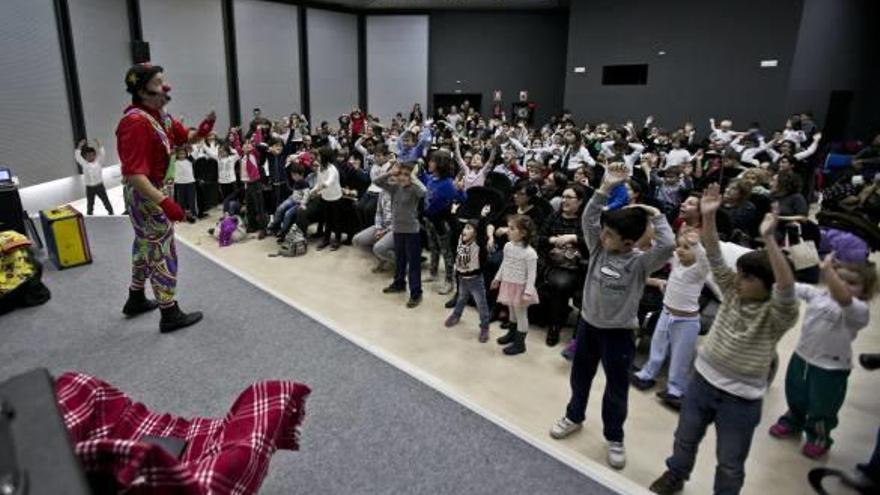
(527, 393)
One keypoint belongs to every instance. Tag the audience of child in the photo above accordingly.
(559, 238)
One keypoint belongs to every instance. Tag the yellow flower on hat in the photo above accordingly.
(132, 78)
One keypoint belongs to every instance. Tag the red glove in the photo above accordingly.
(207, 125)
(172, 210)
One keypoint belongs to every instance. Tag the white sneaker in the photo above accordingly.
(616, 455)
(445, 288)
(564, 427)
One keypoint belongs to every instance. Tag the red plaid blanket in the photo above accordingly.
(222, 456)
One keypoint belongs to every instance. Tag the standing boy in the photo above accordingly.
(757, 308)
(614, 285)
(405, 197)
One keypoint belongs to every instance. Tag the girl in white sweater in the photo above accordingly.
(515, 281)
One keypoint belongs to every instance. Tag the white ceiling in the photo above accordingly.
(448, 4)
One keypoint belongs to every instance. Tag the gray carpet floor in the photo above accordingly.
(370, 428)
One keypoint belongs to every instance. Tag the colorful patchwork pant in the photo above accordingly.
(153, 255)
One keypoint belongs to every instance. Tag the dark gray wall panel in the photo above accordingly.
(186, 38)
(101, 41)
(333, 64)
(36, 138)
(506, 51)
(834, 52)
(268, 57)
(397, 64)
(711, 66)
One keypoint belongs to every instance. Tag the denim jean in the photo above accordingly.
(677, 334)
(285, 214)
(735, 420)
(383, 248)
(472, 286)
(407, 253)
(614, 348)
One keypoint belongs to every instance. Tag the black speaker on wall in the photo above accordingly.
(140, 52)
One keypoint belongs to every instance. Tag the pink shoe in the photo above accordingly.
(484, 335)
(814, 450)
(780, 430)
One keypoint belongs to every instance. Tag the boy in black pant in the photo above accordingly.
(406, 194)
(615, 281)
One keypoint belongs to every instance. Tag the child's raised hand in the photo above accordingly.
(615, 174)
(485, 211)
(768, 225)
(827, 263)
(711, 200)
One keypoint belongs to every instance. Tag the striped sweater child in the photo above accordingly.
(737, 353)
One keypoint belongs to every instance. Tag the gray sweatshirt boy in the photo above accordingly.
(404, 204)
(615, 281)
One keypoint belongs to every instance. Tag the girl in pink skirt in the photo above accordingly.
(515, 281)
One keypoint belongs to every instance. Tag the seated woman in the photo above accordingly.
(378, 236)
(285, 214)
(785, 189)
(741, 211)
(561, 251)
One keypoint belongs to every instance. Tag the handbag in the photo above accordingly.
(804, 254)
(566, 256)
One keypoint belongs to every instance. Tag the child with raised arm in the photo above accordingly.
(472, 173)
(678, 328)
(818, 371)
(614, 285)
(758, 306)
(92, 160)
(406, 194)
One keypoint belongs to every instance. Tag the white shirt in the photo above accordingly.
(226, 169)
(211, 151)
(329, 178)
(747, 155)
(686, 282)
(91, 170)
(794, 136)
(829, 328)
(183, 172)
(750, 390)
(578, 158)
(629, 159)
(721, 135)
(678, 156)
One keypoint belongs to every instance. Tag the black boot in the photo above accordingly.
(175, 319)
(451, 303)
(552, 335)
(870, 361)
(518, 346)
(138, 303)
(508, 337)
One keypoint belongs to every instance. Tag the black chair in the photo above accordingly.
(477, 198)
(500, 183)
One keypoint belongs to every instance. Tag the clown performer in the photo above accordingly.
(145, 137)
